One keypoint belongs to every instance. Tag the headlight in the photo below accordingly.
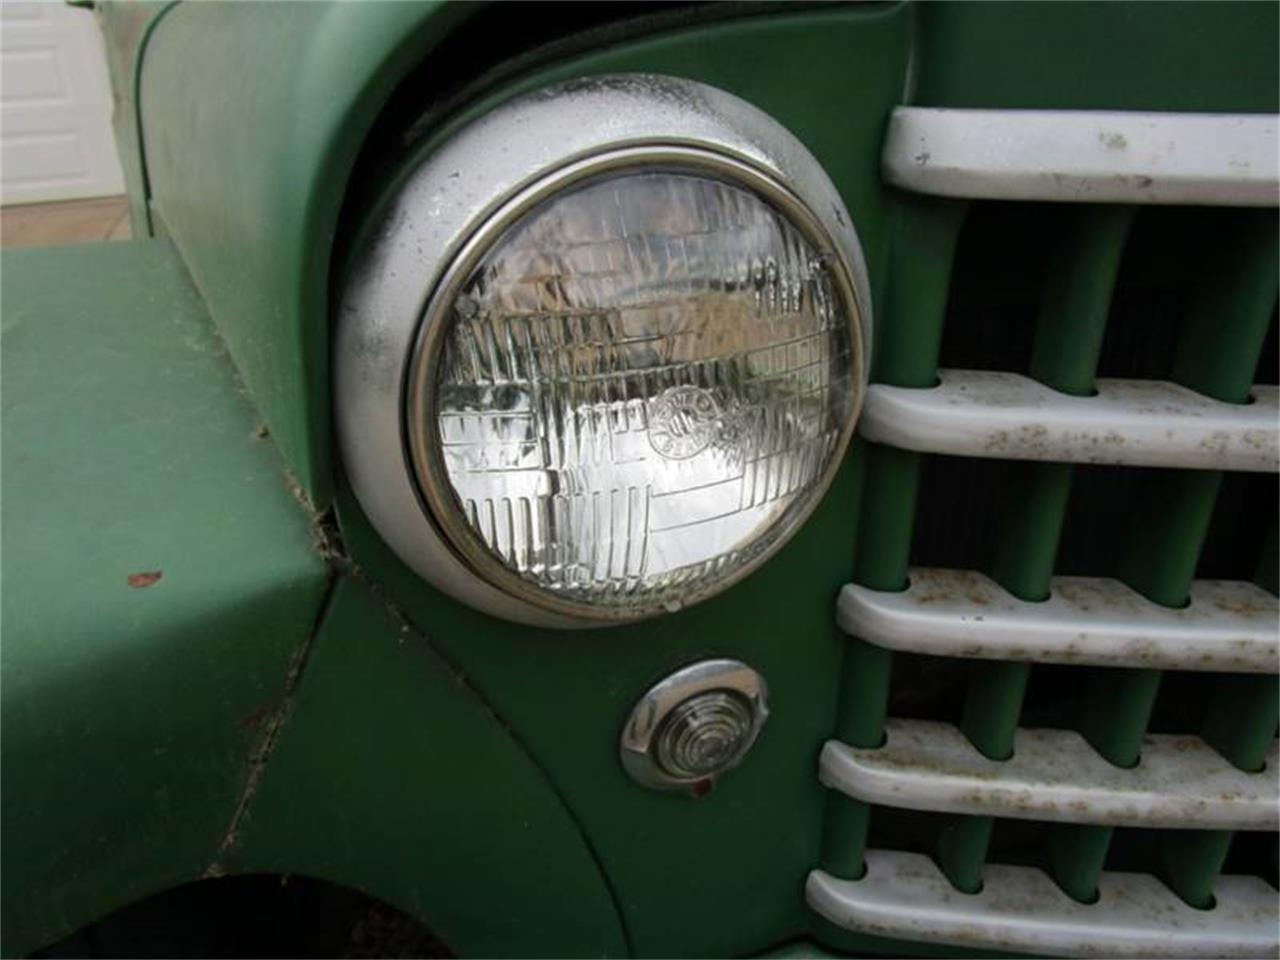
(605, 354)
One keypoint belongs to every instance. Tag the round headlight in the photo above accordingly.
(638, 361)
(634, 387)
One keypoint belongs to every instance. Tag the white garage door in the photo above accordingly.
(55, 106)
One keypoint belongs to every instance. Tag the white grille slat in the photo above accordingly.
(1146, 423)
(1054, 775)
(905, 896)
(1085, 156)
(1229, 626)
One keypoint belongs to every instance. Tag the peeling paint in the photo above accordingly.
(148, 578)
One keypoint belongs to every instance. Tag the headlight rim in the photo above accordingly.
(436, 495)
(432, 208)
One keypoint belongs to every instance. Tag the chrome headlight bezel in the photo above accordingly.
(452, 208)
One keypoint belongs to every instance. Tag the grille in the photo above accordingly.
(1059, 694)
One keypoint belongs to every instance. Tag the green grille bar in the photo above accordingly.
(908, 338)
(1218, 350)
(1245, 708)
(1218, 347)
(1069, 333)
(909, 331)
(1117, 704)
(1243, 712)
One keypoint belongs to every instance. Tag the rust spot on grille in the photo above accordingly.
(147, 578)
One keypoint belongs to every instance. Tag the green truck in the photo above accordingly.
(675, 480)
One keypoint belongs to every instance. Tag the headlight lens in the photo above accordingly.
(634, 390)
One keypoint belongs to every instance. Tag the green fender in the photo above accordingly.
(251, 117)
(158, 580)
(163, 592)
(392, 776)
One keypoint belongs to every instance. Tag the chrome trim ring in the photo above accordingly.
(445, 214)
(662, 702)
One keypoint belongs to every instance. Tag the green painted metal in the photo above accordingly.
(1268, 574)
(1191, 862)
(845, 828)
(1243, 709)
(909, 333)
(1065, 356)
(989, 718)
(392, 776)
(1241, 719)
(962, 850)
(1104, 56)
(131, 711)
(1033, 513)
(1240, 722)
(287, 93)
(1231, 309)
(249, 182)
(1072, 320)
(682, 868)
(909, 337)
(1229, 313)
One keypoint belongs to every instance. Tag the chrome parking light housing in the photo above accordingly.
(694, 725)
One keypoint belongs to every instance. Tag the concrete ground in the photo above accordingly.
(71, 221)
